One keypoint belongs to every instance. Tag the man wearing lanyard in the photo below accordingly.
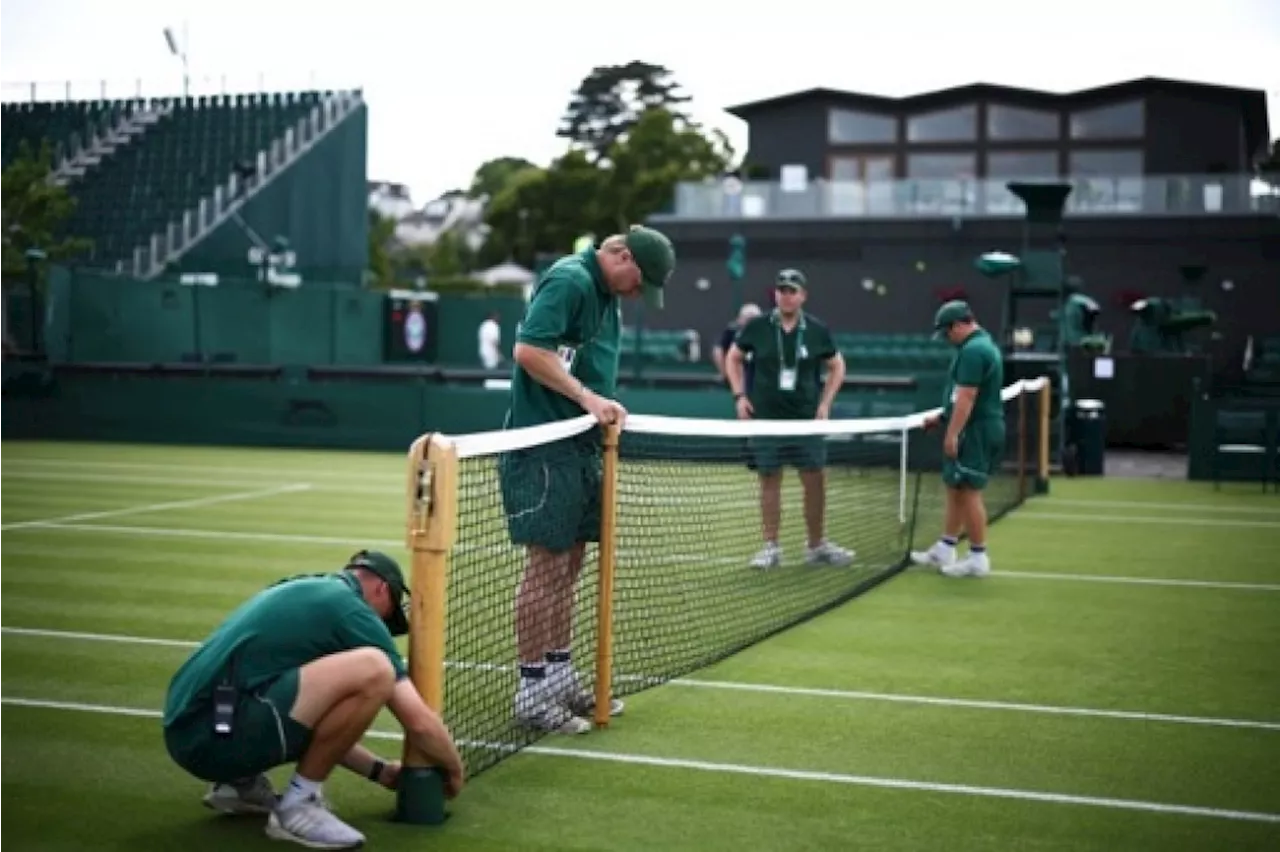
(789, 348)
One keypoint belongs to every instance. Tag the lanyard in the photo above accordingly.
(782, 357)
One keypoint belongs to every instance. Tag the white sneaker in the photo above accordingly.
(253, 796)
(567, 687)
(973, 565)
(770, 556)
(540, 709)
(827, 553)
(938, 556)
(312, 825)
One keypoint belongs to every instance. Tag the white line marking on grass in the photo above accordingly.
(288, 538)
(160, 507)
(393, 490)
(847, 695)
(977, 704)
(1175, 507)
(764, 771)
(227, 535)
(1030, 513)
(1141, 581)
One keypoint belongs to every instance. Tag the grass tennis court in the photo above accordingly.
(1114, 685)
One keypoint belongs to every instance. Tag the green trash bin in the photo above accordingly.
(1087, 431)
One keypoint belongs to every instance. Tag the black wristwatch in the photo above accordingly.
(375, 771)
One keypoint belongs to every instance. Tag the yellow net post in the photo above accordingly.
(607, 561)
(431, 530)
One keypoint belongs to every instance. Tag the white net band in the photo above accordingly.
(477, 444)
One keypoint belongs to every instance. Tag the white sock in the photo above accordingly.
(299, 790)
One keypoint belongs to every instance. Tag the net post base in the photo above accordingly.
(420, 796)
(1042, 485)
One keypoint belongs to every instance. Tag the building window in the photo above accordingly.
(847, 127)
(942, 166)
(1008, 123)
(959, 124)
(1114, 121)
(1106, 181)
(1106, 163)
(1022, 164)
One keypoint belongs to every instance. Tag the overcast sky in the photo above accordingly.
(450, 85)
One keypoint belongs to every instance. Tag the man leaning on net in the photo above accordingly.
(789, 348)
(566, 353)
(973, 443)
(297, 674)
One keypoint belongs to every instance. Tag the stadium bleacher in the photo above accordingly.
(137, 165)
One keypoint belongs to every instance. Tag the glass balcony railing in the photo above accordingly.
(1166, 195)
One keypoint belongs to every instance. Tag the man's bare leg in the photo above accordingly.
(566, 682)
(339, 696)
(943, 551)
(544, 619)
(821, 551)
(770, 519)
(971, 510)
(815, 504)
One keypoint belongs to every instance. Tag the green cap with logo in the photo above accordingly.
(791, 279)
(951, 312)
(388, 570)
(656, 258)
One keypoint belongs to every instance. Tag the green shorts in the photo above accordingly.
(551, 494)
(263, 734)
(808, 452)
(980, 453)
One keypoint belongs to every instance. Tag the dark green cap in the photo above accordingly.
(656, 258)
(791, 279)
(951, 312)
(387, 569)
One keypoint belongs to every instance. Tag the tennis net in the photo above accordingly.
(682, 519)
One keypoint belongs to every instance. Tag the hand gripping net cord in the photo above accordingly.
(681, 524)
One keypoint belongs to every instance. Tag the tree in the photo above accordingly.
(656, 155)
(382, 266)
(545, 210)
(609, 101)
(493, 176)
(35, 211)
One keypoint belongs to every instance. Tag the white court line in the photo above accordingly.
(392, 490)
(287, 538)
(1141, 581)
(845, 695)
(764, 771)
(1029, 512)
(1175, 507)
(160, 507)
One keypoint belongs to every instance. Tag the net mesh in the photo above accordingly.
(688, 524)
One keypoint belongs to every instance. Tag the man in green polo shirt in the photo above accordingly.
(973, 444)
(789, 348)
(297, 674)
(566, 363)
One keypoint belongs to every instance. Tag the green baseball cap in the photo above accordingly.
(656, 258)
(388, 570)
(951, 312)
(791, 279)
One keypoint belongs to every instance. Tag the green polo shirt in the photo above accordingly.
(804, 349)
(977, 364)
(574, 314)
